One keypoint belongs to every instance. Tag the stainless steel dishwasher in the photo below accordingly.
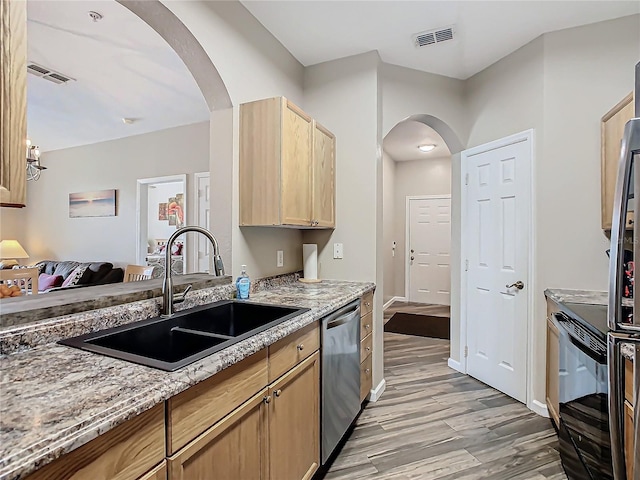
(340, 374)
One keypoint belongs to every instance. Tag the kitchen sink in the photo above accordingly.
(174, 342)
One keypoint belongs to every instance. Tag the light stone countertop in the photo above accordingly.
(590, 297)
(56, 398)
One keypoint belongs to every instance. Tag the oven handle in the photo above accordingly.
(616, 402)
(598, 357)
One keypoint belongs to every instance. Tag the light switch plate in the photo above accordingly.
(337, 250)
(280, 259)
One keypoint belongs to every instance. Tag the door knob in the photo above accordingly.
(412, 258)
(519, 285)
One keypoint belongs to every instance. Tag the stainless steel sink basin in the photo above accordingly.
(174, 342)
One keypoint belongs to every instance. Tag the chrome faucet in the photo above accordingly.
(168, 298)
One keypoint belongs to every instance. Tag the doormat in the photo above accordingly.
(420, 325)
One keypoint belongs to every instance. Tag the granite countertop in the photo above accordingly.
(590, 297)
(57, 398)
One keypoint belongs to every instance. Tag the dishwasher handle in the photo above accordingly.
(343, 316)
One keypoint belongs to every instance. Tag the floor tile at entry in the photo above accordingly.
(434, 423)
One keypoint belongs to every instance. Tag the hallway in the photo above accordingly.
(434, 423)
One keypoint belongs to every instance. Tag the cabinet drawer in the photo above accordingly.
(124, 453)
(193, 411)
(366, 325)
(628, 380)
(287, 352)
(365, 378)
(366, 304)
(366, 346)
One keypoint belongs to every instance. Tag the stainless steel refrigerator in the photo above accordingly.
(624, 325)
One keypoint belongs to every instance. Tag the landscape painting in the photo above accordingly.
(101, 203)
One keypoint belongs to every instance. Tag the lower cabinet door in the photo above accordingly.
(232, 449)
(294, 422)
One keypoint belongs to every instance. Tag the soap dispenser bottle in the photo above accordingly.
(243, 284)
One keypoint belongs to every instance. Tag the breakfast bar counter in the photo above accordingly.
(56, 398)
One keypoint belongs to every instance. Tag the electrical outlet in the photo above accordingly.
(337, 250)
(280, 259)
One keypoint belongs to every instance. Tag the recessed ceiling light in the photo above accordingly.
(426, 147)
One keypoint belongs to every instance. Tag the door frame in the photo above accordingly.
(142, 189)
(407, 222)
(196, 215)
(525, 136)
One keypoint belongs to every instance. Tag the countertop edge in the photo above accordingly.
(195, 373)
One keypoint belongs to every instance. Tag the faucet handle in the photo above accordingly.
(180, 297)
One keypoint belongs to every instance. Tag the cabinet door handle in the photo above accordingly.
(367, 326)
(368, 370)
(300, 347)
(267, 399)
(278, 393)
(368, 349)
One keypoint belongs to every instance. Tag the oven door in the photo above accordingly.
(585, 446)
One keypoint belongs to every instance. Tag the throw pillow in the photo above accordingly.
(75, 276)
(45, 282)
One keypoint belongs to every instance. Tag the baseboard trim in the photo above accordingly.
(539, 408)
(457, 366)
(393, 299)
(377, 392)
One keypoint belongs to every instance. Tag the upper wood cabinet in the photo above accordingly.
(13, 103)
(612, 131)
(287, 167)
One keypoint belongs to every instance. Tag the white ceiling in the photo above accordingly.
(401, 143)
(486, 31)
(122, 68)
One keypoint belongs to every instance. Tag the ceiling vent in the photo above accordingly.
(47, 74)
(433, 37)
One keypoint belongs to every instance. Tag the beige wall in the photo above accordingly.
(389, 222)
(343, 96)
(253, 65)
(417, 177)
(12, 224)
(51, 234)
(560, 85)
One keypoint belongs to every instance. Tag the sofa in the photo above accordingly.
(68, 274)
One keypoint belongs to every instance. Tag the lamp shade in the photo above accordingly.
(12, 249)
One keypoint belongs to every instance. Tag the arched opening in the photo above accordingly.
(417, 170)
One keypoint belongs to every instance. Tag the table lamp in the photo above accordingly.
(10, 250)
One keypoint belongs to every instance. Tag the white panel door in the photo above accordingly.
(497, 238)
(429, 250)
(204, 210)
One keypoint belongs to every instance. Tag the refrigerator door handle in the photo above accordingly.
(630, 147)
(616, 402)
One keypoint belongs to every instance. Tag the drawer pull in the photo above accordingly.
(368, 304)
(367, 326)
(267, 399)
(368, 370)
(278, 392)
(300, 347)
(368, 349)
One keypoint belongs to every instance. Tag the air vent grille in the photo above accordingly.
(433, 37)
(47, 74)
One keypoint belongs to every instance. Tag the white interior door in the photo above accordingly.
(429, 259)
(203, 205)
(496, 235)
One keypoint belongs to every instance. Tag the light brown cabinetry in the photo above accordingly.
(553, 366)
(366, 345)
(287, 172)
(612, 131)
(158, 473)
(292, 349)
(126, 452)
(193, 411)
(234, 448)
(294, 422)
(13, 103)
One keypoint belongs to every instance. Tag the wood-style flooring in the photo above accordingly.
(435, 423)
